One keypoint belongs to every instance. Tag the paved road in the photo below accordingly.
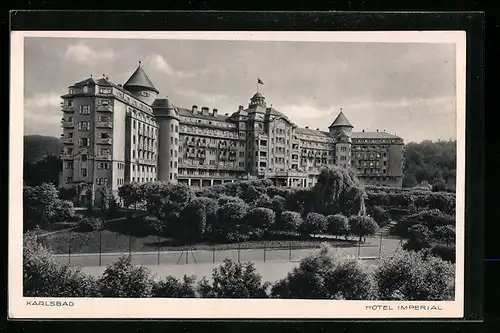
(370, 250)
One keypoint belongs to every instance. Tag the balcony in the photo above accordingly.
(146, 161)
(140, 146)
(104, 108)
(104, 141)
(67, 141)
(67, 124)
(105, 157)
(67, 108)
(104, 124)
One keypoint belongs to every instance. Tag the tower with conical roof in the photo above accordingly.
(257, 99)
(167, 118)
(141, 86)
(341, 130)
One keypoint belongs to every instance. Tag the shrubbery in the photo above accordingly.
(89, 224)
(362, 226)
(321, 275)
(290, 221)
(338, 225)
(412, 276)
(314, 223)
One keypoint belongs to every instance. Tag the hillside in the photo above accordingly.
(38, 146)
(430, 161)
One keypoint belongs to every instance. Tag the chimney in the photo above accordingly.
(363, 131)
(194, 109)
(317, 129)
(226, 114)
(120, 85)
(215, 112)
(307, 127)
(377, 129)
(240, 108)
(204, 110)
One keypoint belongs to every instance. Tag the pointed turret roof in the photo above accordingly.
(341, 120)
(140, 79)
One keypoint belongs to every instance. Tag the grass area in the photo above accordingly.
(110, 241)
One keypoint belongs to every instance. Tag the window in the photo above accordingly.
(175, 153)
(171, 127)
(144, 93)
(84, 172)
(171, 164)
(105, 90)
(133, 167)
(175, 176)
(69, 180)
(172, 140)
(133, 179)
(84, 157)
(133, 153)
(104, 135)
(71, 91)
(170, 175)
(84, 125)
(242, 154)
(175, 164)
(176, 129)
(84, 142)
(84, 109)
(85, 89)
(133, 124)
(176, 141)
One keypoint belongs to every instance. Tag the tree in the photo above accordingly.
(362, 226)
(230, 217)
(41, 206)
(409, 276)
(323, 275)
(314, 223)
(44, 276)
(122, 279)
(44, 170)
(170, 287)
(261, 218)
(419, 238)
(263, 201)
(380, 215)
(338, 190)
(234, 280)
(193, 221)
(131, 194)
(290, 221)
(338, 225)
(444, 234)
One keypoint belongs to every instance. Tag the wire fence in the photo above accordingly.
(103, 248)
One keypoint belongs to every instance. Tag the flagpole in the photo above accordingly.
(257, 84)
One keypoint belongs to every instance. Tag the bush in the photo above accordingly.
(122, 279)
(338, 225)
(445, 234)
(64, 211)
(43, 276)
(430, 218)
(362, 226)
(230, 217)
(409, 276)
(322, 275)
(171, 287)
(290, 221)
(192, 224)
(234, 280)
(263, 201)
(314, 224)
(90, 224)
(260, 218)
(380, 215)
(224, 199)
(419, 238)
(443, 251)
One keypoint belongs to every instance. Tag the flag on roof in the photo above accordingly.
(259, 81)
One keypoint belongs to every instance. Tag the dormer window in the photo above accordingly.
(145, 94)
(85, 89)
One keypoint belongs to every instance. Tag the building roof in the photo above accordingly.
(308, 131)
(187, 113)
(258, 95)
(341, 120)
(89, 81)
(140, 79)
(373, 135)
(162, 103)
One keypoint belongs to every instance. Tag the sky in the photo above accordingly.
(407, 89)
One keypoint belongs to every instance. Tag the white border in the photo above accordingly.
(223, 308)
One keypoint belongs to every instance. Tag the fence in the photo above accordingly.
(103, 248)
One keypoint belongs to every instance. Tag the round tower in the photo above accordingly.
(167, 118)
(141, 86)
(341, 130)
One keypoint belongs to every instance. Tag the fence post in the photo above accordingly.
(359, 248)
(100, 248)
(130, 247)
(187, 255)
(69, 250)
(158, 243)
(290, 251)
(213, 255)
(265, 251)
(238, 250)
(380, 246)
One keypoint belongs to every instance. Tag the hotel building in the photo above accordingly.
(114, 134)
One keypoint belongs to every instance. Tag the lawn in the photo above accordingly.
(112, 242)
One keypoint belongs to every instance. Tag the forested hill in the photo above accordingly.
(38, 146)
(433, 161)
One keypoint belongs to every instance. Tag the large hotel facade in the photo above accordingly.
(114, 134)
